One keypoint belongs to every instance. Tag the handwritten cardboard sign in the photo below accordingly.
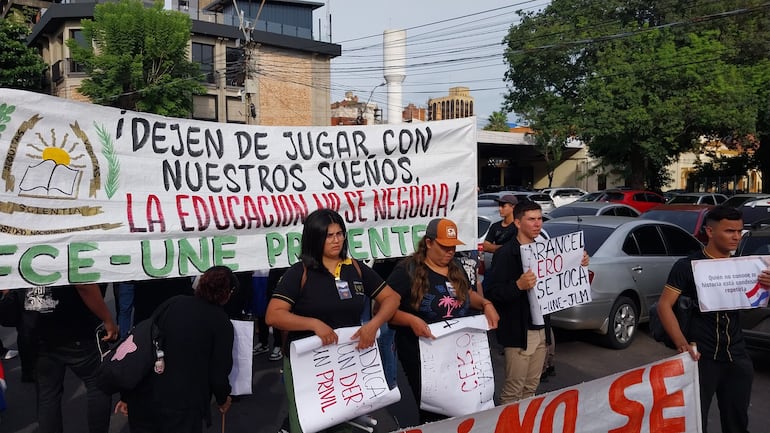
(91, 193)
(561, 281)
(456, 367)
(662, 396)
(730, 284)
(336, 383)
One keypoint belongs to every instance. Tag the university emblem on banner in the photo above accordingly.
(43, 165)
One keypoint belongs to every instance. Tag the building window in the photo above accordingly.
(235, 67)
(203, 55)
(80, 37)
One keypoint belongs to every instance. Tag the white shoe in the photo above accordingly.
(260, 349)
(276, 354)
(10, 354)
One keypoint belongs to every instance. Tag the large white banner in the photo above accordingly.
(456, 367)
(730, 284)
(662, 396)
(336, 383)
(90, 193)
(561, 281)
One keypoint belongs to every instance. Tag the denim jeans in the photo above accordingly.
(82, 357)
(387, 344)
(124, 307)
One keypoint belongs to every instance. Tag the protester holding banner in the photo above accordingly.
(715, 338)
(325, 291)
(433, 287)
(198, 346)
(507, 284)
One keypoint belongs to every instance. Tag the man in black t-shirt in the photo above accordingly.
(504, 230)
(724, 367)
(65, 328)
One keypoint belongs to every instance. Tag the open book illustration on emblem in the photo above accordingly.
(51, 179)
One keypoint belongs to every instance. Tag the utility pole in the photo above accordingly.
(250, 65)
(361, 119)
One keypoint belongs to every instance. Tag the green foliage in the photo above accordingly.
(138, 59)
(20, 67)
(639, 81)
(5, 114)
(113, 163)
(497, 121)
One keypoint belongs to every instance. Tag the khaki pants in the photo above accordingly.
(523, 368)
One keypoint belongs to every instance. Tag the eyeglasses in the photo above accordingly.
(330, 237)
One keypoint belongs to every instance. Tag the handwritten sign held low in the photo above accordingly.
(561, 281)
(336, 383)
(730, 284)
(457, 376)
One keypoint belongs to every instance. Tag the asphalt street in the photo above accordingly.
(578, 359)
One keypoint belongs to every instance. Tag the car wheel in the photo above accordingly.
(624, 320)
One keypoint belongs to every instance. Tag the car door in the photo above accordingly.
(652, 265)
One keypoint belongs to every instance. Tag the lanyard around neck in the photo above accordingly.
(338, 269)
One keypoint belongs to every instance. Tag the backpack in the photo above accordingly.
(683, 309)
(132, 359)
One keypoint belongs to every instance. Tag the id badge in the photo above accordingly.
(343, 289)
(451, 289)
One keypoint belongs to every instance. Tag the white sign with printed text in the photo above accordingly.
(731, 283)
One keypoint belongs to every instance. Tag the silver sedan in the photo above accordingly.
(630, 262)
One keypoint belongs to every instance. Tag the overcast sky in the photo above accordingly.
(449, 43)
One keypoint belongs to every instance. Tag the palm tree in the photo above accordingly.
(450, 303)
(497, 121)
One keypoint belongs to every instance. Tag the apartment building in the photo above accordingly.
(289, 70)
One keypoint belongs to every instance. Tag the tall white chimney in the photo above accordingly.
(394, 59)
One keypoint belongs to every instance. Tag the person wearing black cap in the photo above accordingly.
(504, 230)
(433, 287)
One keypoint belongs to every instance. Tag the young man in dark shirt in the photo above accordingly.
(714, 339)
(504, 230)
(65, 328)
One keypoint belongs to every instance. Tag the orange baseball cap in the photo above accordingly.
(444, 232)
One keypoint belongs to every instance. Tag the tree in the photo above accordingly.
(635, 86)
(137, 58)
(20, 67)
(497, 121)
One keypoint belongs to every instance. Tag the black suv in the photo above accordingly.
(756, 322)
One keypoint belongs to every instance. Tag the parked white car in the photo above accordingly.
(562, 196)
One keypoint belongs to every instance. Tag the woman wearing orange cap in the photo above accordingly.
(433, 287)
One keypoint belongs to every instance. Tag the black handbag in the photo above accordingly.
(683, 309)
(135, 357)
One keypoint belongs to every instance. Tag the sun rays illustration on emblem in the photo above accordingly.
(61, 155)
(59, 173)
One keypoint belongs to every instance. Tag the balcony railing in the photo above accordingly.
(66, 68)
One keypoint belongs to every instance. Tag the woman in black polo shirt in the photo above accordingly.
(325, 291)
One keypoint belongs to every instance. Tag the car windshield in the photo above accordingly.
(594, 236)
(754, 246)
(684, 219)
(539, 197)
(684, 199)
(591, 196)
(736, 201)
(483, 225)
(571, 211)
(613, 196)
